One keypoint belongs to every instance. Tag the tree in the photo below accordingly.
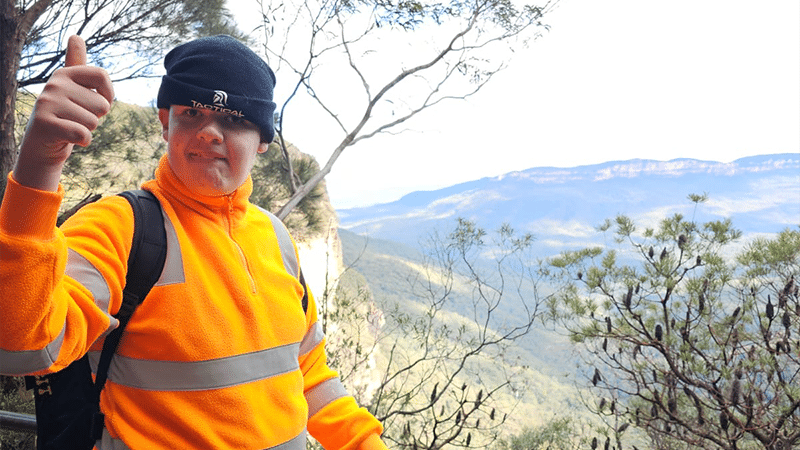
(126, 37)
(461, 46)
(442, 356)
(560, 433)
(685, 339)
(271, 188)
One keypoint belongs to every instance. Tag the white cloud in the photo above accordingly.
(765, 195)
(571, 228)
(467, 200)
(443, 208)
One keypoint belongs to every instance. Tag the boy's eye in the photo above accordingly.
(191, 112)
(234, 119)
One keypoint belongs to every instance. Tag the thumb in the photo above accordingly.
(76, 51)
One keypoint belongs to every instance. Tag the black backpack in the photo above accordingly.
(68, 413)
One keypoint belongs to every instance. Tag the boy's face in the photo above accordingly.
(212, 153)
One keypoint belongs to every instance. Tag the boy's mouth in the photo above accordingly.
(205, 156)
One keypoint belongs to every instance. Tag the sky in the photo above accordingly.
(614, 80)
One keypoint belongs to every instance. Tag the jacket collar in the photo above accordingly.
(232, 206)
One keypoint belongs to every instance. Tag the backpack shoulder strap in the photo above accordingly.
(288, 254)
(145, 264)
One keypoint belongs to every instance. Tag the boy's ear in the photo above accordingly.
(263, 147)
(163, 116)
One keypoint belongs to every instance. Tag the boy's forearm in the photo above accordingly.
(44, 177)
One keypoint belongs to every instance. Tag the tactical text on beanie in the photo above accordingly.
(222, 74)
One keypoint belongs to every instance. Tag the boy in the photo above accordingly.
(220, 354)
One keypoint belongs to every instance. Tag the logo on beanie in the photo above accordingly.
(220, 103)
(220, 98)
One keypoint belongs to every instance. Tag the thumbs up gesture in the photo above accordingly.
(65, 114)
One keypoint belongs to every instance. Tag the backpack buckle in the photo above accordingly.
(42, 387)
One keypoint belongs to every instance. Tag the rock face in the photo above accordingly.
(317, 238)
(321, 260)
(351, 323)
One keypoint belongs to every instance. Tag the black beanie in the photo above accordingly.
(222, 74)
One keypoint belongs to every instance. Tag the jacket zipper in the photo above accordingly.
(239, 247)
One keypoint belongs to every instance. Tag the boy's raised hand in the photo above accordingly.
(66, 112)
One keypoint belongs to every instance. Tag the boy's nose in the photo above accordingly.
(211, 132)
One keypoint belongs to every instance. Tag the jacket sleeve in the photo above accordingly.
(334, 418)
(57, 292)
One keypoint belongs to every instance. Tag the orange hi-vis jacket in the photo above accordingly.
(219, 355)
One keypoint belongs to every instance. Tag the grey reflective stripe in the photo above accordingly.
(81, 270)
(108, 443)
(94, 360)
(16, 363)
(285, 243)
(173, 264)
(312, 339)
(323, 394)
(218, 373)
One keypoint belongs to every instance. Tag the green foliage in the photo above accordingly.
(14, 398)
(206, 18)
(272, 186)
(764, 257)
(126, 37)
(409, 15)
(445, 350)
(124, 152)
(560, 433)
(692, 344)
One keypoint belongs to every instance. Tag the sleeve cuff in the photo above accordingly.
(29, 213)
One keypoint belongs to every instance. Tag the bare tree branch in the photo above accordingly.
(343, 34)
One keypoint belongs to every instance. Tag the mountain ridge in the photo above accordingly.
(761, 194)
